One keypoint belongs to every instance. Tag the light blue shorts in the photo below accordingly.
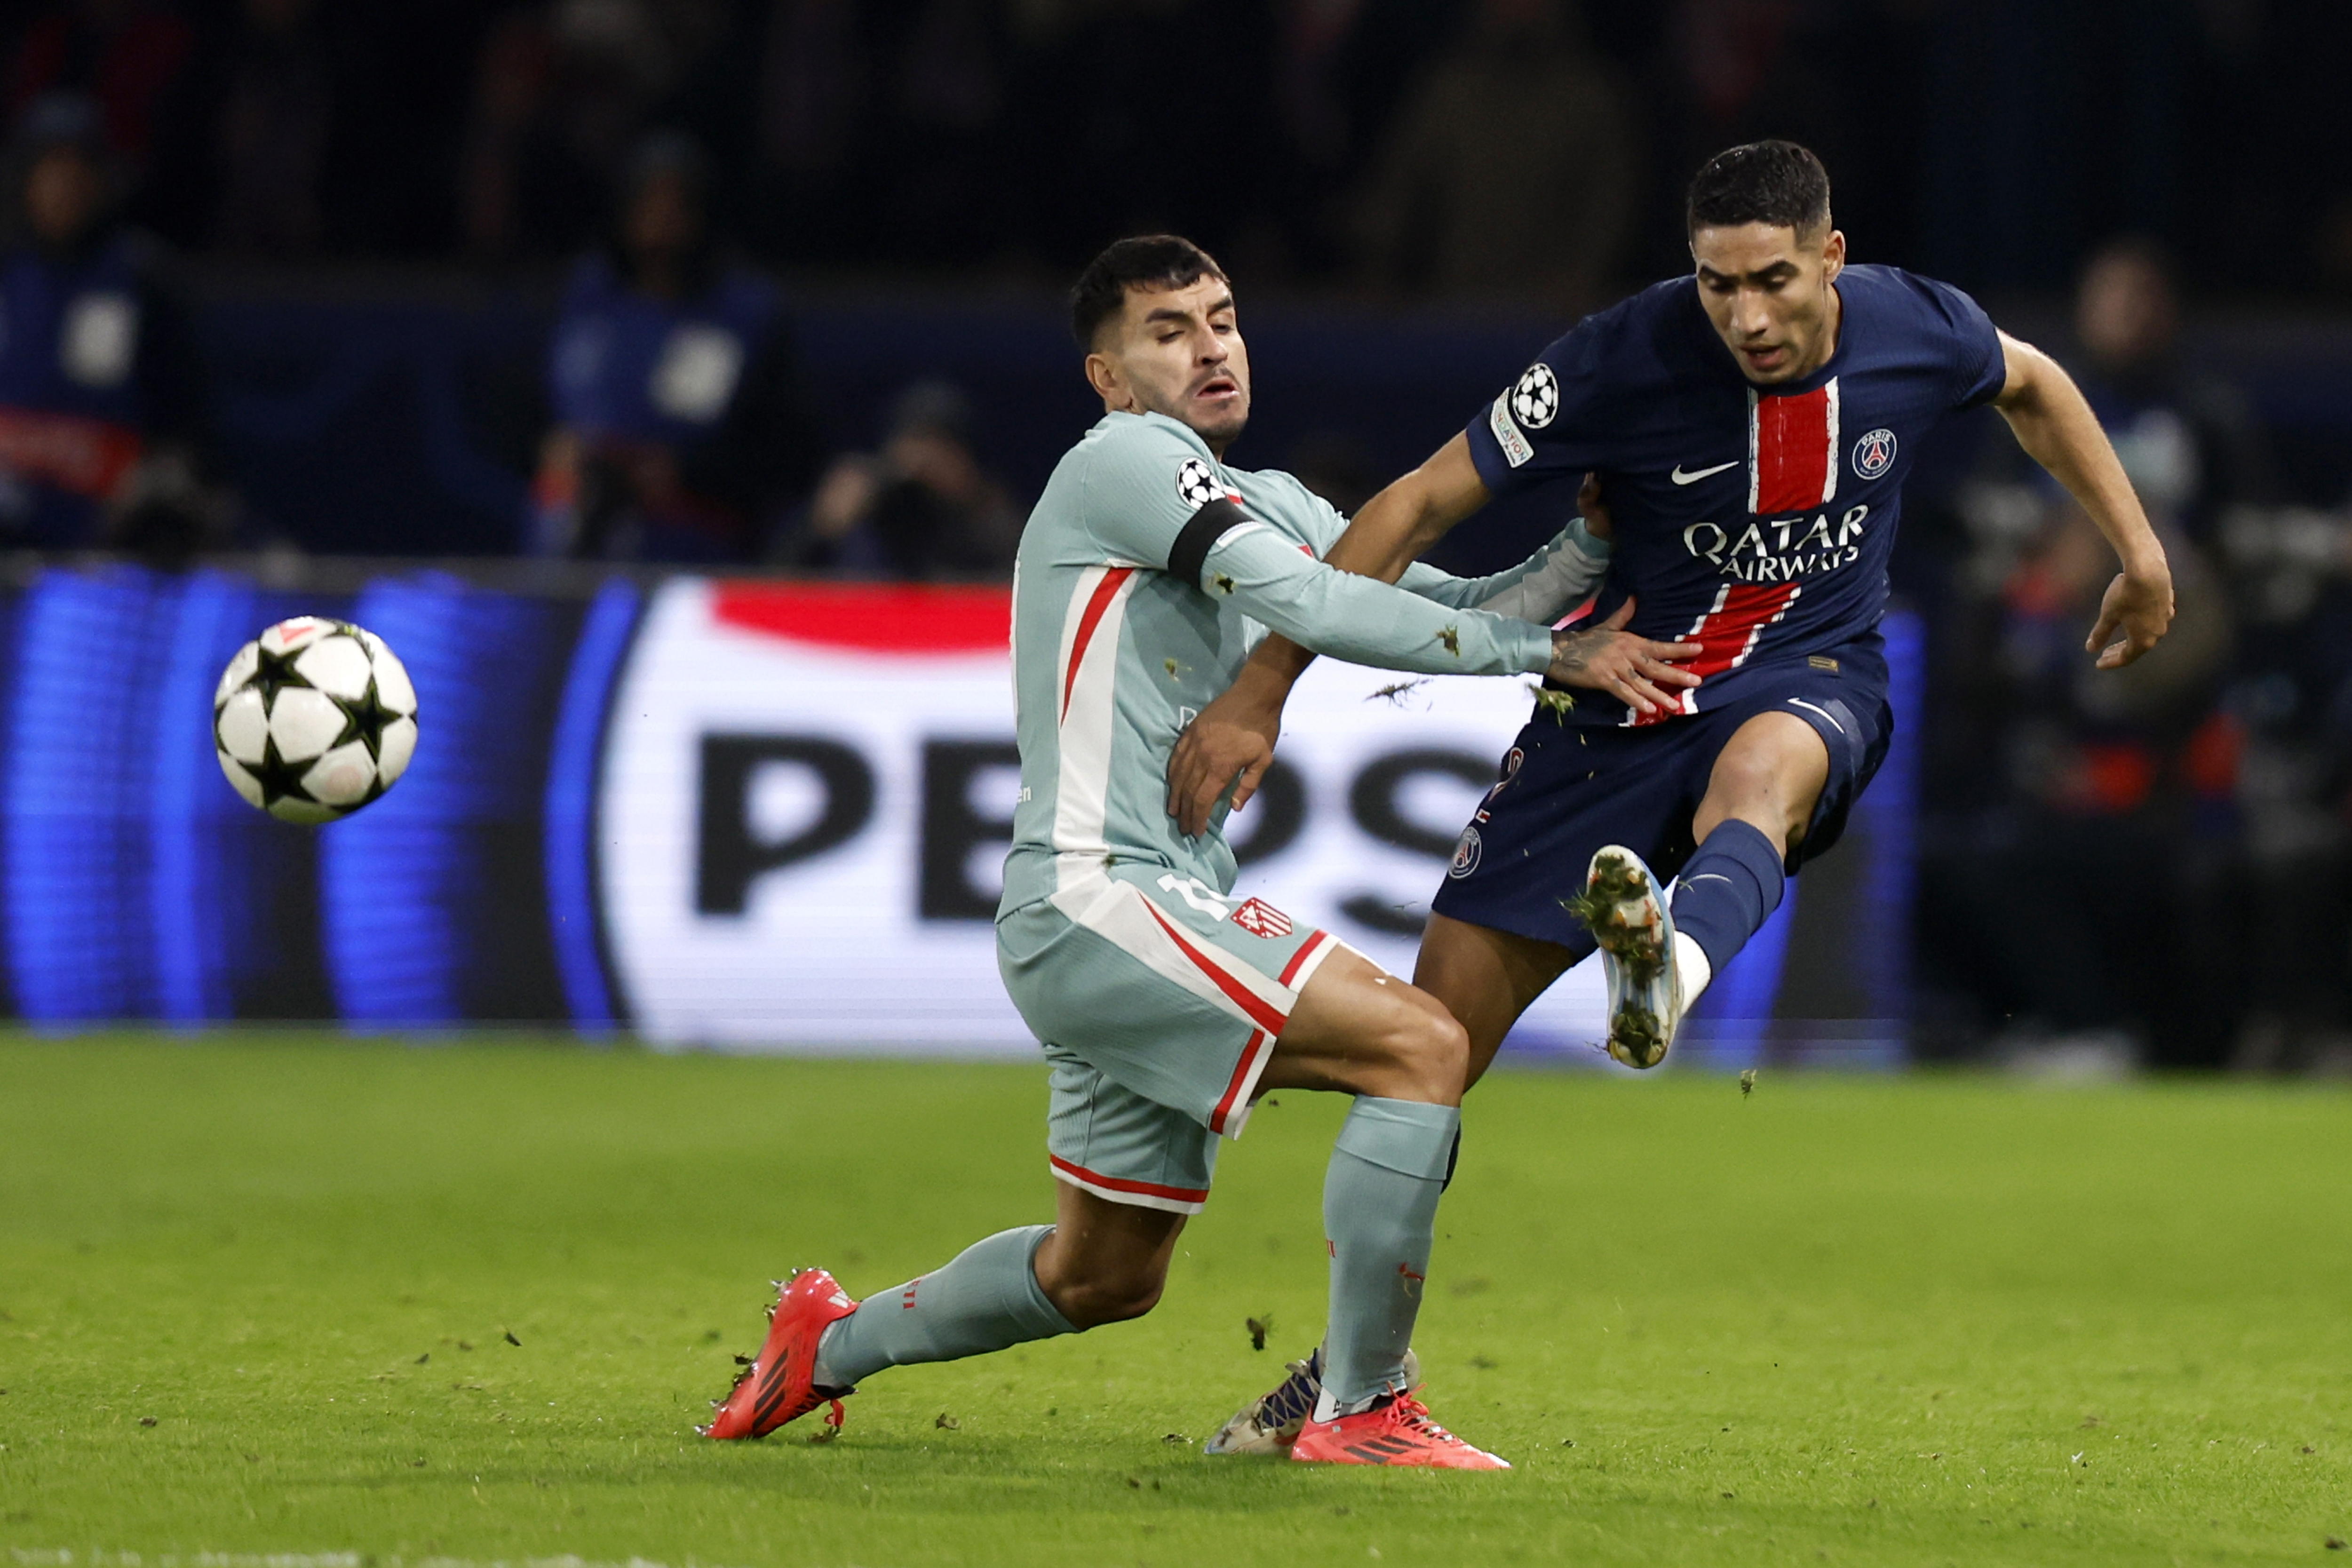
(1157, 1000)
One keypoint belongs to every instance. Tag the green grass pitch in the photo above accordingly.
(257, 1295)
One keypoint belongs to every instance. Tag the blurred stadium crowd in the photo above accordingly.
(2155, 866)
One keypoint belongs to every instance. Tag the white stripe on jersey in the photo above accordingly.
(1829, 485)
(1755, 446)
(1089, 717)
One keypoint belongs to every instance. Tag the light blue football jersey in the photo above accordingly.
(1114, 651)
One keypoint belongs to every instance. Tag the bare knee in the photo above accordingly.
(1769, 776)
(1752, 793)
(1426, 1053)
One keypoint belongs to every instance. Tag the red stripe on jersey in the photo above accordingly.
(1119, 1185)
(1727, 634)
(1792, 451)
(1248, 1001)
(1104, 590)
(1306, 951)
(1244, 1071)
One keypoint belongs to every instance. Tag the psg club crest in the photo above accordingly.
(1261, 918)
(1196, 484)
(1537, 397)
(1873, 454)
(1465, 854)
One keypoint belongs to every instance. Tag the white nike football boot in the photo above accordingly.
(1270, 1425)
(1625, 909)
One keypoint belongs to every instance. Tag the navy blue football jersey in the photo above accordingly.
(1755, 521)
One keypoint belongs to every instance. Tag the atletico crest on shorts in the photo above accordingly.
(1261, 918)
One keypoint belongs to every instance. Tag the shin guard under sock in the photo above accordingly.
(1727, 889)
(1379, 1211)
(987, 1299)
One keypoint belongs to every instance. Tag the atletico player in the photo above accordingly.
(1167, 1006)
(1751, 426)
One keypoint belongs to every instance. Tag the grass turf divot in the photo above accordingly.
(1892, 1320)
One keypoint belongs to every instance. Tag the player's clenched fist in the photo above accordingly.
(1638, 672)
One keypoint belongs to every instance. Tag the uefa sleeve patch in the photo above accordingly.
(1197, 484)
(1508, 435)
(1537, 397)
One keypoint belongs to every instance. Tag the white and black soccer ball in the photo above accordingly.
(314, 718)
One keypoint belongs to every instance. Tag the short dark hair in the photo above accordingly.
(1775, 183)
(1139, 261)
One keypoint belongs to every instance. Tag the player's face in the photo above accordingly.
(1767, 290)
(1178, 351)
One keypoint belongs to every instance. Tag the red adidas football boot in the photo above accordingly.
(780, 1385)
(1396, 1431)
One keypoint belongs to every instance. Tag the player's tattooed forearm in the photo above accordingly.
(1572, 654)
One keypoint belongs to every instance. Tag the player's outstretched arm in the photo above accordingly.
(1354, 617)
(1344, 614)
(2055, 424)
(1544, 587)
(1235, 734)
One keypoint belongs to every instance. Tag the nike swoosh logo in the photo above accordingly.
(1683, 479)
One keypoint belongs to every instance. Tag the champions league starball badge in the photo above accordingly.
(1537, 397)
(1196, 485)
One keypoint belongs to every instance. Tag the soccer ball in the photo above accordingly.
(313, 718)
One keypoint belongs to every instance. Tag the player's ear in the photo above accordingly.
(1103, 376)
(1833, 254)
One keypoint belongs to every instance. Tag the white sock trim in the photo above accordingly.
(1691, 968)
(1328, 1408)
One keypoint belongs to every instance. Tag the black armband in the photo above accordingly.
(1208, 525)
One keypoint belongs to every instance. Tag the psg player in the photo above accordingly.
(1752, 426)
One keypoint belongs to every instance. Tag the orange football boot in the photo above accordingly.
(780, 1385)
(1396, 1431)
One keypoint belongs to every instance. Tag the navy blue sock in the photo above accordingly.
(1727, 889)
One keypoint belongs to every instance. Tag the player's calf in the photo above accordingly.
(1104, 1263)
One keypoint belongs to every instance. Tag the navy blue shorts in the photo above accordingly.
(1567, 789)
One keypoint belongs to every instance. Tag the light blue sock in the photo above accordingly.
(987, 1299)
(1379, 1214)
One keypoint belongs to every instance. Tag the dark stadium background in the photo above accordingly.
(365, 214)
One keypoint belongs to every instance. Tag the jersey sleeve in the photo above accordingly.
(1143, 486)
(1978, 368)
(1545, 425)
(1360, 619)
(1542, 588)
